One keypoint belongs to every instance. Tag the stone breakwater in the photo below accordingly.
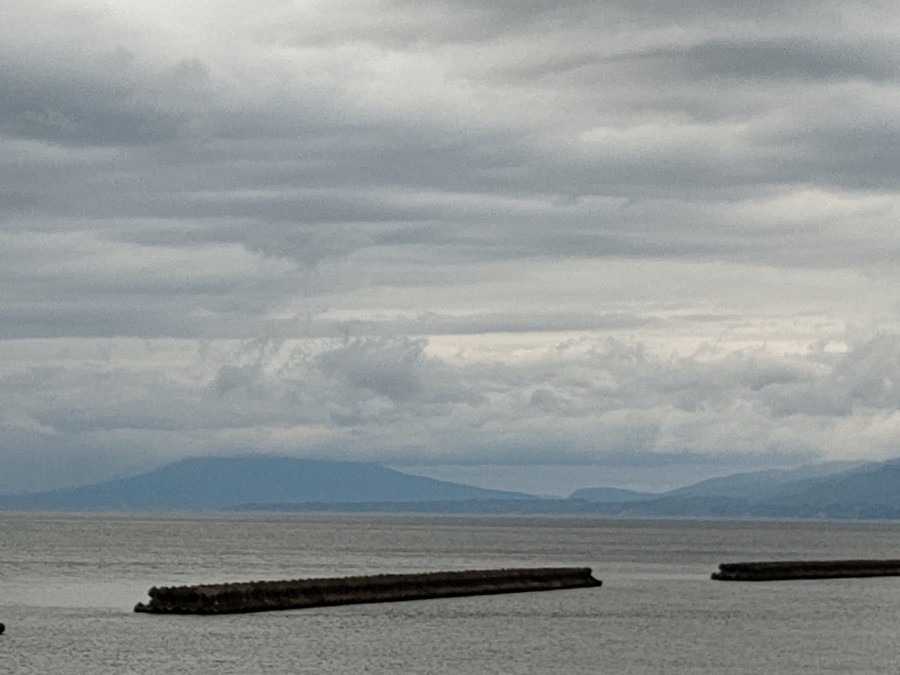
(262, 596)
(806, 569)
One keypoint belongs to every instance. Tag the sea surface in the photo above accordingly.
(69, 582)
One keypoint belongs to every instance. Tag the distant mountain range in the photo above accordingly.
(221, 482)
(265, 483)
(857, 490)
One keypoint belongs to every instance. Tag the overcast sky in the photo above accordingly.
(525, 244)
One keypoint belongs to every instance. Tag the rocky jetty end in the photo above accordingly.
(806, 569)
(262, 596)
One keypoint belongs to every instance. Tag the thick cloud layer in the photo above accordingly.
(447, 233)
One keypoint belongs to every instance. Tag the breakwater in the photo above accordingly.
(806, 569)
(261, 596)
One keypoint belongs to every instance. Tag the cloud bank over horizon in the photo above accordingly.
(448, 233)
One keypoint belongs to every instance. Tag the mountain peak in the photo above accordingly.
(198, 483)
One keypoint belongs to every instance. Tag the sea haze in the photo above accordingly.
(840, 490)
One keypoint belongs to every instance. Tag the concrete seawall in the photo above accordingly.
(261, 596)
(806, 569)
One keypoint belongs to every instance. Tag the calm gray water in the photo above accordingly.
(68, 583)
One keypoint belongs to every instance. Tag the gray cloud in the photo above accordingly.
(797, 59)
(78, 113)
(605, 403)
(450, 231)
